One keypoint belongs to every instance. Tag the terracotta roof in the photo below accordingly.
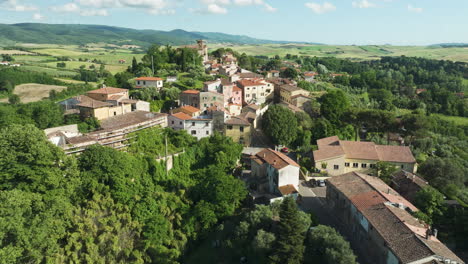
(116, 97)
(404, 235)
(181, 116)
(148, 79)
(395, 153)
(276, 159)
(249, 116)
(107, 90)
(130, 101)
(226, 82)
(332, 147)
(191, 92)
(189, 108)
(287, 189)
(249, 75)
(89, 102)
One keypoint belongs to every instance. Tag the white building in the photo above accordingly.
(199, 127)
(278, 172)
(144, 82)
(6, 63)
(256, 91)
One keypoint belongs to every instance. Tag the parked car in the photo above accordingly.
(285, 150)
(313, 182)
(321, 183)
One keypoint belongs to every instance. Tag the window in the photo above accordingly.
(207, 123)
(206, 105)
(229, 127)
(207, 132)
(115, 113)
(268, 90)
(402, 166)
(346, 164)
(355, 165)
(180, 123)
(193, 132)
(336, 167)
(247, 95)
(241, 129)
(214, 98)
(363, 165)
(193, 123)
(172, 122)
(144, 82)
(372, 166)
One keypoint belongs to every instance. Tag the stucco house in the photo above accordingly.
(208, 99)
(239, 130)
(104, 103)
(289, 92)
(379, 223)
(144, 82)
(337, 157)
(190, 97)
(310, 76)
(256, 91)
(278, 173)
(199, 127)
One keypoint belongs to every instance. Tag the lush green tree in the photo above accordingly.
(441, 172)
(32, 226)
(430, 201)
(263, 240)
(102, 232)
(290, 73)
(333, 105)
(28, 161)
(280, 124)
(6, 86)
(326, 246)
(289, 246)
(384, 171)
(7, 57)
(14, 99)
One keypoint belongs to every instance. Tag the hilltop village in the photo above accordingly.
(298, 156)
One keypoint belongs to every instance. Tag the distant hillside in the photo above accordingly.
(83, 34)
(451, 45)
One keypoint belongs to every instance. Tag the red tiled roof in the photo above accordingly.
(89, 102)
(182, 116)
(107, 90)
(191, 92)
(276, 159)
(287, 189)
(250, 83)
(333, 147)
(190, 108)
(148, 79)
(236, 89)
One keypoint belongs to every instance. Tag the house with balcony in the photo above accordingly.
(198, 126)
(336, 157)
(256, 91)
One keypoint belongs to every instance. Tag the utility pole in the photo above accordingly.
(152, 63)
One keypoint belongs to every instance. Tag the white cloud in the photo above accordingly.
(15, 5)
(94, 12)
(270, 9)
(415, 9)
(216, 9)
(151, 6)
(38, 16)
(68, 8)
(218, 2)
(248, 2)
(320, 9)
(363, 4)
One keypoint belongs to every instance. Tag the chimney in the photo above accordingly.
(274, 162)
(428, 233)
(434, 232)
(264, 155)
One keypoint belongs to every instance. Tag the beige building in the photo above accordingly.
(256, 91)
(289, 92)
(239, 130)
(187, 109)
(337, 157)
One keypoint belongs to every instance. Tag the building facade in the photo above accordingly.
(144, 82)
(336, 157)
(256, 91)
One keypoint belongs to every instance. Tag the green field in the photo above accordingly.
(351, 52)
(46, 61)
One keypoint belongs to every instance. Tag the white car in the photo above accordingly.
(321, 183)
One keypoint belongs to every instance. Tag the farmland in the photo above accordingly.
(352, 52)
(33, 92)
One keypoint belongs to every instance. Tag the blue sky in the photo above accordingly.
(398, 22)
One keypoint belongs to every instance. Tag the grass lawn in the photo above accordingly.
(459, 120)
(50, 71)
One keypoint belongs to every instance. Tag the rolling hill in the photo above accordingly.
(82, 34)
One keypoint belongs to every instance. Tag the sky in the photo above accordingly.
(343, 22)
